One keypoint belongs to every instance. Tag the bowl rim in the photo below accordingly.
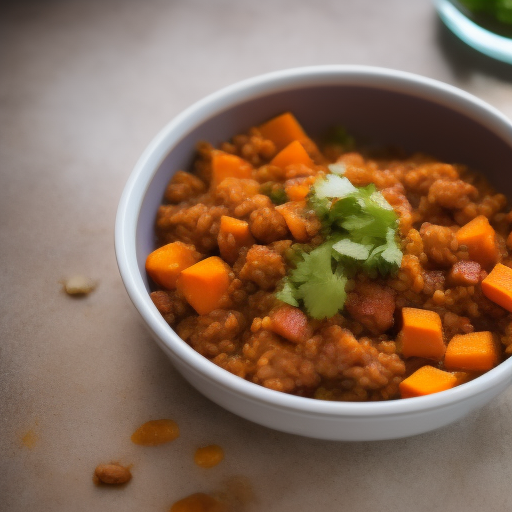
(289, 79)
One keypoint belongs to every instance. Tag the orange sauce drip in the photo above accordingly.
(155, 432)
(234, 495)
(209, 456)
(29, 439)
(198, 502)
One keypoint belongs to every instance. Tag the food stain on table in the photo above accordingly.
(209, 456)
(156, 432)
(234, 495)
(199, 502)
(29, 439)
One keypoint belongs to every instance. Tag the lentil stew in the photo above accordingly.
(237, 233)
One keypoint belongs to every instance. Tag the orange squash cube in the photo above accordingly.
(282, 130)
(293, 212)
(225, 165)
(425, 381)
(480, 238)
(164, 264)
(497, 286)
(297, 192)
(234, 234)
(475, 351)
(297, 189)
(294, 153)
(205, 284)
(422, 334)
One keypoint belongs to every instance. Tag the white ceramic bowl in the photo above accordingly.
(387, 106)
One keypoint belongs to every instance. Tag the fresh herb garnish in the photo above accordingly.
(314, 284)
(501, 10)
(361, 235)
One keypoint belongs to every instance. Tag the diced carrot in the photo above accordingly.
(294, 153)
(425, 381)
(497, 286)
(292, 211)
(298, 188)
(291, 323)
(422, 334)
(205, 283)
(480, 238)
(475, 351)
(164, 264)
(282, 130)
(225, 165)
(233, 235)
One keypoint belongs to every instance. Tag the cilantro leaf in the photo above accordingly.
(372, 265)
(392, 253)
(356, 223)
(317, 263)
(321, 207)
(287, 293)
(314, 283)
(324, 296)
(357, 251)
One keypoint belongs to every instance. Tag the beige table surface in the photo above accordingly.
(84, 86)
